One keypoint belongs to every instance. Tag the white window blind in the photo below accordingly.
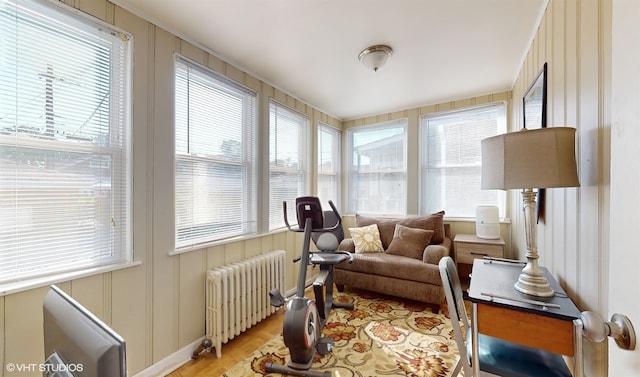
(451, 162)
(328, 164)
(64, 141)
(287, 161)
(378, 168)
(215, 173)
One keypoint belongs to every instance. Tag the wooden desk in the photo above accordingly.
(544, 327)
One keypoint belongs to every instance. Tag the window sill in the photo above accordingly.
(43, 281)
(225, 241)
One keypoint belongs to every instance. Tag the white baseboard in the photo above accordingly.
(171, 362)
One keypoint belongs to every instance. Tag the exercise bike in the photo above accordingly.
(304, 318)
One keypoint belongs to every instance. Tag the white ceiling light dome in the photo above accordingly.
(375, 57)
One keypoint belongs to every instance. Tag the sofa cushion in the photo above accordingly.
(387, 226)
(409, 242)
(366, 239)
(393, 266)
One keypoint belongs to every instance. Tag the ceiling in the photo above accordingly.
(442, 49)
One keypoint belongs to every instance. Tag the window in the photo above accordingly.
(328, 164)
(451, 160)
(287, 161)
(215, 172)
(64, 141)
(378, 168)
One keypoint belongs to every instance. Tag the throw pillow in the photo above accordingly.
(366, 239)
(387, 226)
(409, 242)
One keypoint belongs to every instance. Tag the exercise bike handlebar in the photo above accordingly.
(299, 229)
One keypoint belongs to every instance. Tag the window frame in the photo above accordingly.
(500, 196)
(248, 162)
(403, 124)
(336, 155)
(114, 145)
(275, 219)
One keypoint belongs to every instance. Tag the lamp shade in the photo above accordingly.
(527, 159)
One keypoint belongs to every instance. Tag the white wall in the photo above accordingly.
(624, 256)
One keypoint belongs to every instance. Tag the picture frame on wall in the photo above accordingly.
(534, 111)
(534, 102)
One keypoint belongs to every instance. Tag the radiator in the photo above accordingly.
(237, 295)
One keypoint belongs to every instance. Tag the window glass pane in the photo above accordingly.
(215, 157)
(378, 169)
(63, 141)
(328, 164)
(451, 160)
(287, 162)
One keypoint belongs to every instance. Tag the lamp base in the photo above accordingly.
(533, 284)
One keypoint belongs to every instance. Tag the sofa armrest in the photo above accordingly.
(433, 253)
(347, 245)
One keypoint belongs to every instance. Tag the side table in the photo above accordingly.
(468, 247)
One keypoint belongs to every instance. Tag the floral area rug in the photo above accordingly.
(382, 336)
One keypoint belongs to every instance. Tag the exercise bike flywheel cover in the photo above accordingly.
(301, 325)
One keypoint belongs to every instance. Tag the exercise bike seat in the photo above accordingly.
(329, 257)
(327, 241)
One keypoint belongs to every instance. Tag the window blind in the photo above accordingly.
(287, 161)
(452, 161)
(215, 172)
(378, 168)
(328, 164)
(64, 141)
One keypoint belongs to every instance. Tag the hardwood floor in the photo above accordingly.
(234, 351)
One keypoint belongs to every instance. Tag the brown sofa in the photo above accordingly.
(416, 278)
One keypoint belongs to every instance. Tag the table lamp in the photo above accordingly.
(527, 160)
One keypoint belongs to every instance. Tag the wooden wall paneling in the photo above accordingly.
(605, 100)
(3, 324)
(570, 58)
(131, 314)
(216, 64)
(235, 74)
(571, 40)
(131, 288)
(165, 268)
(214, 256)
(555, 117)
(593, 291)
(413, 160)
(253, 247)
(23, 319)
(233, 252)
(192, 52)
(191, 305)
(90, 292)
(101, 9)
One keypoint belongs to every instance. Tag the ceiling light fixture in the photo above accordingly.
(375, 57)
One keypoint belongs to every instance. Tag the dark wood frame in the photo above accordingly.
(536, 97)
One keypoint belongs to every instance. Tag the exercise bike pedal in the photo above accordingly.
(276, 298)
(324, 345)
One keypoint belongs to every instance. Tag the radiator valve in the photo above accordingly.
(204, 346)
